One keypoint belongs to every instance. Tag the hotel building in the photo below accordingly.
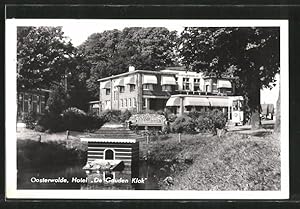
(138, 90)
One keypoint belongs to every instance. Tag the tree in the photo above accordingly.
(249, 54)
(113, 51)
(44, 55)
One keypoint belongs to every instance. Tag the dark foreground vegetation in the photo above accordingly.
(36, 154)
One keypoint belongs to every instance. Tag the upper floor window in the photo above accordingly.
(125, 102)
(196, 84)
(186, 84)
(148, 87)
(122, 103)
(107, 91)
(134, 102)
(131, 87)
(129, 102)
(122, 89)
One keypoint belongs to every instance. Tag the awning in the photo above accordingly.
(219, 102)
(95, 106)
(119, 82)
(149, 79)
(129, 80)
(196, 101)
(224, 84)
(105, 85)
(168, 80)
(173, 101)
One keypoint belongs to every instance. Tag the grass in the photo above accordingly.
(51, 150)
(231, 162)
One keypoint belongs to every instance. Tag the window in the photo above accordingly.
(125, 102)
(148, 87)
(196, 84)
(166, 88)
(144, 103)
(129, 102)
(131, 87)
(122, 103)
(134, 102)
(122, 89)
(176, 87)
(186, 84)
(214, 86)
(107, 91)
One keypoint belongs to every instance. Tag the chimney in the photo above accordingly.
(131, 68)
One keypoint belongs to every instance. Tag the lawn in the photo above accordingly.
(231, 162)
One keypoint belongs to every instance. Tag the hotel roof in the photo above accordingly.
(136, 71)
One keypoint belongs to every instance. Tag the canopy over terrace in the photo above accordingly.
(181, 103)
(198, 100)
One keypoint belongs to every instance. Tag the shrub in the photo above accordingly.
(183, 124)
(77, 120)
(94, 122)
(39, 128)
(125, 116)
(30, 119)
(209, 121)
(51, 122)
(203, 121)
(111, 115)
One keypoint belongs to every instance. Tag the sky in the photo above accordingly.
(79, 31)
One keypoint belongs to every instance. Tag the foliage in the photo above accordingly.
(57, 101)
(203, 122)
(30, 119)
(75, 119)
(43, 56)
(51, 122)
(210, 121)
(183, 124)
(125, 115)
(249, 54)
(112, 52)
(111, 115)
(33, 154)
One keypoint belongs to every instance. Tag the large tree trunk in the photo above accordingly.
(254, 105)
(277, 122)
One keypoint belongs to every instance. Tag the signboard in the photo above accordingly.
(147, 119)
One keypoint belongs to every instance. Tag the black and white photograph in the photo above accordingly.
(147, 109)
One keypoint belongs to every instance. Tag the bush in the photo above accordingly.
(75, 119)
(39, 128)
(203, 121)
(51, 122)
(111, 115)
(183, 124)
(125, 116)
(30, 120)
(209, 121)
